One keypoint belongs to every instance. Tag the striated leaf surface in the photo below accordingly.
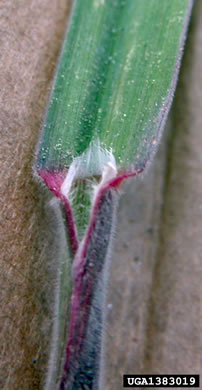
(115, 80)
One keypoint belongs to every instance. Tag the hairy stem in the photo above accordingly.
(83, 353)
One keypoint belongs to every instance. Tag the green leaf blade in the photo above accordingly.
(115, 80)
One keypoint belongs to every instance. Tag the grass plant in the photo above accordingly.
(111, 94)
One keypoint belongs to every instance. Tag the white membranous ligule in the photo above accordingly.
(95, 161)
